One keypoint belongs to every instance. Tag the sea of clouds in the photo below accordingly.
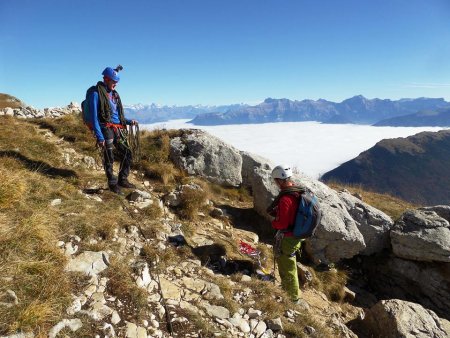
(313, 148)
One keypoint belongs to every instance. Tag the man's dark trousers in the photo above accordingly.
(113, 139)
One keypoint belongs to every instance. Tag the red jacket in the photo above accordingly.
(286, 211)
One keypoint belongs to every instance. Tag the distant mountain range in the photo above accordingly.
(438, 118)
(357, 109)
(152, 113)
(416, 168)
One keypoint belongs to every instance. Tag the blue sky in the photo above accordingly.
(222, 52)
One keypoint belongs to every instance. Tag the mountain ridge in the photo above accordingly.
(431, 118)
(415, 168)
(356, 109)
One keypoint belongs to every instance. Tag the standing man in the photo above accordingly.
(110, 127)
(284, 209)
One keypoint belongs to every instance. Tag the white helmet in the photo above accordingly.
(282, 172)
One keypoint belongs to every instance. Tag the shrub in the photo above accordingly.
(331, 283)
(191, 201)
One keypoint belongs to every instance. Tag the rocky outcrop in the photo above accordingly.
(256, 175)
(349, 226)
(26, 112)
(422, 282)
(418, 269)
(373, 224)
(396, 318)
(423, 234)
(202, 154)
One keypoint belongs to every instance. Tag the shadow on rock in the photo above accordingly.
(214, 257)
(248, 219)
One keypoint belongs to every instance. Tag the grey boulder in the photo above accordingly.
(205, 155)
(395, 318)
(373, 224)
(423, 234)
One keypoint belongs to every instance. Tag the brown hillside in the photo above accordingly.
(415, 169)
(9, 101)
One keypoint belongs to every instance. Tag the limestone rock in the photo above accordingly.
(256, 174)
(396, 318)
(200, 153)
(241, 324)
(216, 311)
(427, 283)
(275, 324)
(115, 318)
(89, 263)
(134, 331)
(55, 202)
(169, 289)
(138, 196)
(72, 324)
(260, 328)
(373, 224)
(423, 234)
(20, 335)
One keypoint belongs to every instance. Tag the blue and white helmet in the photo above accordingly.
(282, 172)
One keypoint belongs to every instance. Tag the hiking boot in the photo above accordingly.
(115, 189)
(126, 184)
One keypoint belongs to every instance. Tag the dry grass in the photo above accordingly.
(12, 188)
(191, 202)
(198, 324)
(153, 211)
(19, 138)
(32, 267)
(155, 162)
(216, 192)
(331, 283)
(72, 129)
(390, 205)
(9, 101)
(166, 258)
(273, 302)
(164, 172)
(227, 291)
(122, 285)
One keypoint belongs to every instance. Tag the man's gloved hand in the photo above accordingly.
(134, 122)
(101, 144)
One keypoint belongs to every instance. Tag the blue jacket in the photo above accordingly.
(93, 109)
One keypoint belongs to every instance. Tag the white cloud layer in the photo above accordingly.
(312, 147)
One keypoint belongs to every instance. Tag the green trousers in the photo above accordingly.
(287, 266)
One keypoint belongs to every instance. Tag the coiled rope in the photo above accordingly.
(134, 142)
